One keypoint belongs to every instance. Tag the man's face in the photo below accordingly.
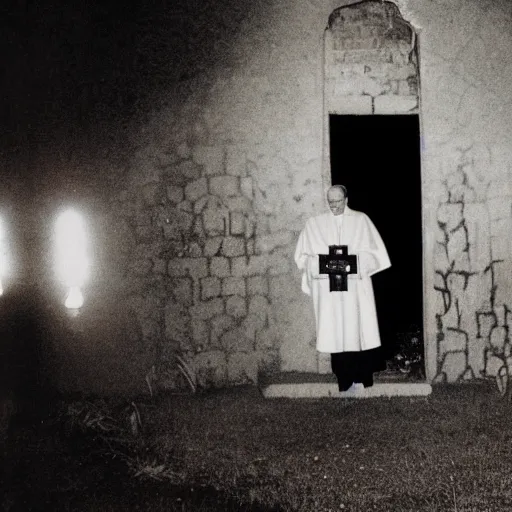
(337, 201)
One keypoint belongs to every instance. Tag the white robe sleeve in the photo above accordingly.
(304, 262)
(373, 257)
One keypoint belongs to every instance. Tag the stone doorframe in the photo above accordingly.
(371, 66)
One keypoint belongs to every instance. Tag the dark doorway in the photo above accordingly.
(378, 159)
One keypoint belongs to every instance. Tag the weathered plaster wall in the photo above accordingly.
(466, 181)
(225, 169)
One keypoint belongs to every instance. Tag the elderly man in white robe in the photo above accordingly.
(346, 321)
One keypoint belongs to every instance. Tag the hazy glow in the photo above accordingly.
(71, 261)
(3, 253)
(1, 289)
(75, 299)
(71, 258)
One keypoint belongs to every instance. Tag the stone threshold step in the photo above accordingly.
(330, 390)
(314, 385)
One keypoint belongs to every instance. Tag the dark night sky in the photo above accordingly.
(79, 78)
(100, 62)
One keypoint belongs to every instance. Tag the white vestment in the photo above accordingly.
(345, 321)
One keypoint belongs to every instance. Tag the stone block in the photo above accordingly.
(457, 244)
(454, 366)
(493, 365)
(243, 368)
(224, 186)
(236, 307)
(259, 306)
(498, 338)
(476, 355)
(503, 283)
(182, 291)
(236, 161)
(486, 322)
(477, 224)
(454, 341)
(195, 268)
(356, 105)
(252, 266)
(233, 286)
(207, 309)
(210, 287)
(233, 246)
(388, 104)
(238, 204)
(194, 250)
(185, 206)
(212, 246)
(267, 243)
(253, 323)
(219, 267)
(249, 226)
(236, 223)
(177, 221)
(210, 369)
(205, 202)
(196, 189)
(219, 325)
(249, 247)
(257, 285)
(215, 221)
(211, 158)
(456, 283)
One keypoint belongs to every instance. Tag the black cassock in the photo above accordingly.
(357, 367)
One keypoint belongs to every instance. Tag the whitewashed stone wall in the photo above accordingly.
(230, 163)
(210, 259)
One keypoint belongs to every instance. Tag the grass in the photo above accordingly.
(234, 450)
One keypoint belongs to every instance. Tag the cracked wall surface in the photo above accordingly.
(221, 175)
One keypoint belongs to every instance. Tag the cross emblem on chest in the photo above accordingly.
(338, 264)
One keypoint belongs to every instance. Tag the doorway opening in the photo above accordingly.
(377, 157)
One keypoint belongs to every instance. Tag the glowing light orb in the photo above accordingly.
(75, 298)
(71, 262)
(3, 254)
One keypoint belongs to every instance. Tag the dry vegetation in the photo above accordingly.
(234, 450)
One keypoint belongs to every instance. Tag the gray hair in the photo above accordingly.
(339, 187)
